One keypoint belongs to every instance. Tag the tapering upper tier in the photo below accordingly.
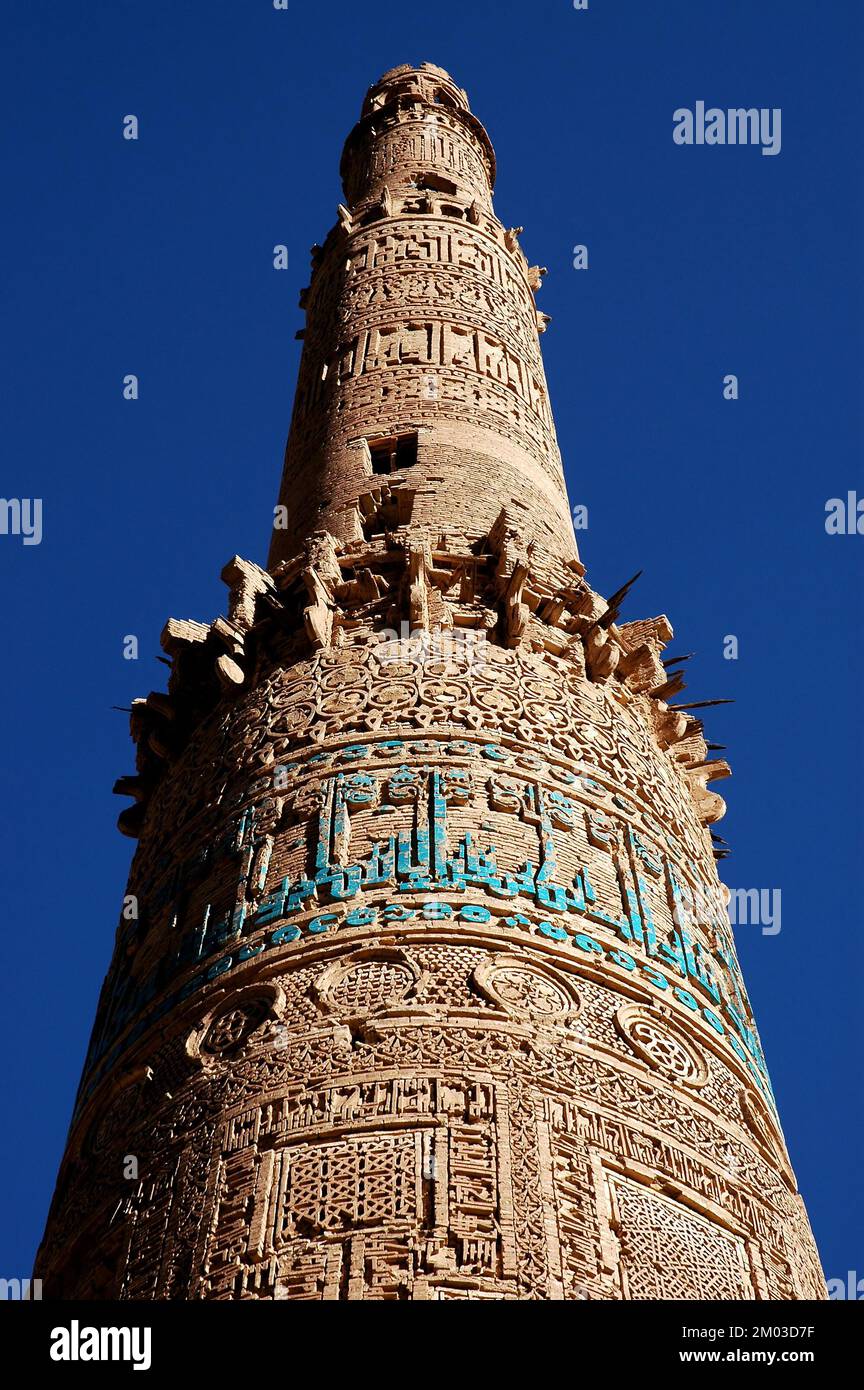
(407, 98)
(421, 399)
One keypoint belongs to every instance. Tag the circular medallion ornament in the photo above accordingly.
(341, 678)
(344, 701)
(392, 697)
(442, 692)
(498, 701)
(295, 718)
(229, 1031)
(341, 657)
(367, 982)
(225, 1031)
(293, 693)
(394, 669)
(661, 1045)
(538, 689)
(524, 987)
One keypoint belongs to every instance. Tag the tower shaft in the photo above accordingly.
(431, 993)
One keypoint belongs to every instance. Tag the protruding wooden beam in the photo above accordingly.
(613, 604)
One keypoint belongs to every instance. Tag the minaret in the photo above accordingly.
(424, 986)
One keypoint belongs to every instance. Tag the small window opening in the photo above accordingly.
(392, 455)
(436, 183)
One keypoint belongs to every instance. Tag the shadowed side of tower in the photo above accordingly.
(431, 993)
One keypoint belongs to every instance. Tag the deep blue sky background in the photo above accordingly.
(155, 258)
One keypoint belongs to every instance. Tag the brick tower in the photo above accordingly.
(431, 992)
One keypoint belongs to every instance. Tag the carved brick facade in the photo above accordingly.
(432, 993)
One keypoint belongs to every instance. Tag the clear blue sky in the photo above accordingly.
(155, 258)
